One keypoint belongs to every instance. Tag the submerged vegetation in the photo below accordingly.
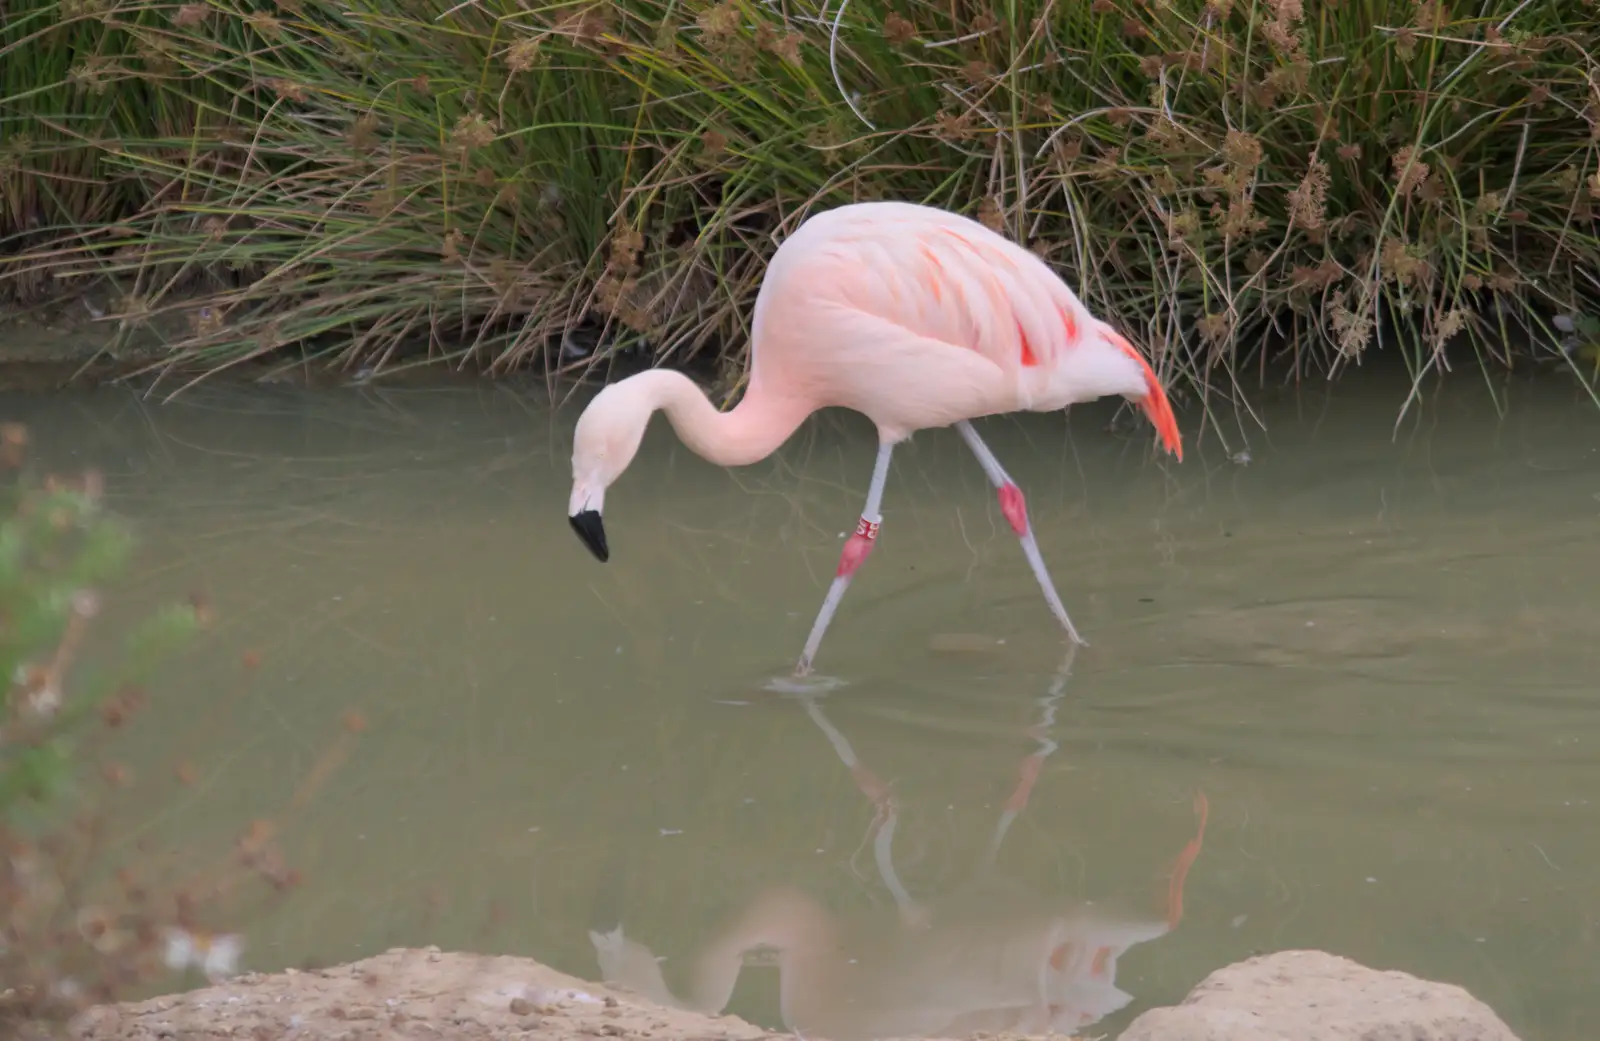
(1241, 184)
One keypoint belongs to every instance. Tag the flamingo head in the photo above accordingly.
(605, 441)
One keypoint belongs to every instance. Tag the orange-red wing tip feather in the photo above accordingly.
(1155, 403)
(1159, 409)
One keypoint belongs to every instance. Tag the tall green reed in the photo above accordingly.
(1243, 185)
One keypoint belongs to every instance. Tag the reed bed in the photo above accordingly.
(1270, 187)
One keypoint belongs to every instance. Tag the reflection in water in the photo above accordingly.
(989, 956)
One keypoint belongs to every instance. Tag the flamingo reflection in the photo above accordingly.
(990, 957)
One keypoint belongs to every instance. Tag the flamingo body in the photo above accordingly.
(919, 318)
(915, 317)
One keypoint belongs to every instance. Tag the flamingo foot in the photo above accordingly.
(809, 685)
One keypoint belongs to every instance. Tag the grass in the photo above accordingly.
(1273, 185)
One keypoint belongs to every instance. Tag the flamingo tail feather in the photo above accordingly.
(1155, 404)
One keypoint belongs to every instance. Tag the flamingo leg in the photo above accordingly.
(1016, 512)
(856, 549)
(1028, 770)
(1180, 869)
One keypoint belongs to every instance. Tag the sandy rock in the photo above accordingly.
(402, 995)
(1315, 996)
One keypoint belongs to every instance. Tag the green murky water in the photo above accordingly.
(1370, 653)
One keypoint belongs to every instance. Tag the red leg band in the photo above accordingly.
(858, 546)
(1016, 511)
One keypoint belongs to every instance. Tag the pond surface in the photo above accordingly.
(1369, 655)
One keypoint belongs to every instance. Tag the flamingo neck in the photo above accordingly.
(747, 433)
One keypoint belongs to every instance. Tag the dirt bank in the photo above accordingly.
(408, 994)
(74, 339)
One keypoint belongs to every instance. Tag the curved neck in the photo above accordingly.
(748, 433)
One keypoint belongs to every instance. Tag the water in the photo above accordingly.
(1370, 653)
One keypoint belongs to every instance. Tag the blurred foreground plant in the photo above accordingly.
(88, 915)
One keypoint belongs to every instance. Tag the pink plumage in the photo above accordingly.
(857, 291)
(912, 315)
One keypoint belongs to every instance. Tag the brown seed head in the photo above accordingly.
(473, 132)
(1453, 321)
(953, 126)
(721, 21)
(1430, 16)
(265, 25)
(990, 215)
(523, 54)
(1288, 12)
(1241, 220)
(1242, 150)
(1308, 200)
(1214, 328)
(363, 133)
(191, 14)
(1409, 170)
(788, 48)
(1182, 225)
(287, 89)
(1352, 330)
(898, 30)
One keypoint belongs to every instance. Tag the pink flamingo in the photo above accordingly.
(911, 315)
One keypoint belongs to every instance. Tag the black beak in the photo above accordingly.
(593, 533)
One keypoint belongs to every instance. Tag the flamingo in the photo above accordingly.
(914, 316)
